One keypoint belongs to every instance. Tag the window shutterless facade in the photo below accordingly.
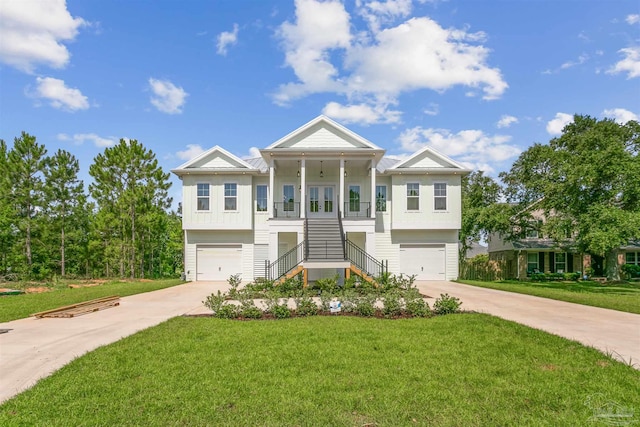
(440, 196)
(413, 196)
(381, 198)
(203, 197)
(288, 195)
(532, 262)
(230, 196)
(261, 198)
(354, 198)
(632, 258)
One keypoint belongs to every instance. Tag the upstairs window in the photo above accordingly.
(440, 196)
(354, 198)
(261, 198)
(413, 196)
(381, 198)
(230, 196)
(203, 197)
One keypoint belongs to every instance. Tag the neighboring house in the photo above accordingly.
(533, 253)
(321, 200)
(474, 250)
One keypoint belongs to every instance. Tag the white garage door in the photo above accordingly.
(427, 262)
(218, 262)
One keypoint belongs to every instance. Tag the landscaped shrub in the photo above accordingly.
(549, 277)
(348, 300)
(234, 281)
(327, 285)
(248, 308)
(214, 302)
(305, 306)
(364, 306)
(228, 311)
(415, 305)
(446, 304)
(392, 303)
(281, 311)
(571, 276)
(631, 270)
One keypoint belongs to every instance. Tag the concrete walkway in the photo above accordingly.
(35, 348)
(613, 332)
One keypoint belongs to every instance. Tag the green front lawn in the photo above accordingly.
(622, 297)
(19, 306)
(455, 370)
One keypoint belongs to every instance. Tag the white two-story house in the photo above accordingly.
(321, 200)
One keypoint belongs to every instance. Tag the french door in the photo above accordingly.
(321, 201)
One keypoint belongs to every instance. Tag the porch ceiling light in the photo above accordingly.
(345, 168)
(298, 168)
(321, 172)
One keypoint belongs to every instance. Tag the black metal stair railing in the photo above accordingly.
(286, 263)
(365, 262)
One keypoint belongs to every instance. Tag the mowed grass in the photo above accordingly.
(455, 370)
(19, 306)
(621, 297)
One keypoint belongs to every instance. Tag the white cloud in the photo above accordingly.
(473, 148)
(433, 110)
(555, 126)
(254, 152)
(620, 115)
(59, 95)
(81, 138)
(168, 98)
(581, 60)
(363, 114)
(374, 67)
(632, 19)
(226, 39)
(506, 121)
(33, 32)
(192, 151)
(630, 64)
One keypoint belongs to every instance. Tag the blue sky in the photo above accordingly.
(478, 80)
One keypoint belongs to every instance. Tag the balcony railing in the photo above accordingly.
(286, 210)
(354, 209)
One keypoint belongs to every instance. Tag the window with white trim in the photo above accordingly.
(381, 198)
(202, 197)
(561, 262)
(261, 198)
(288, 192)
(532, 262)
(413, 196)
(632, 258)
(440, 196)
(230, 196)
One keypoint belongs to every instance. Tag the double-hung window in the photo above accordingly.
(230, 196)
(561, 262)
(261, 198)
(632, 258)
(381, 198)
(354, 198)
(413, 196)
(532, 262)
(440, 196)
(203, 197)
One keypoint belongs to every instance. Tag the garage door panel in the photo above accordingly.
(218, 262)
(426, 262)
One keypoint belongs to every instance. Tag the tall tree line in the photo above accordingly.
(50, 226)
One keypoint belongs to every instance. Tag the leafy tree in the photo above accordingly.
(65, 197)
(481, 212)
(26, 162)
(129, 187)
(587, 181)
(7, 213)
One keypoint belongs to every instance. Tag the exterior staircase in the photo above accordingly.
(324, 240)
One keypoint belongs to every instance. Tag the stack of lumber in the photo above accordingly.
(81, 308)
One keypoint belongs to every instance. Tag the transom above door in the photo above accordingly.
(321, 201)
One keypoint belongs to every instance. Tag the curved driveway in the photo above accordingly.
(35, 348)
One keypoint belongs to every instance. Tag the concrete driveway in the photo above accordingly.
(35, 348)
(613, 332)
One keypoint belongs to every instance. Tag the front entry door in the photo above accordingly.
(321, 201)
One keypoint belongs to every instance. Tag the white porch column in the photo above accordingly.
(341, 192)
(271, 188)
(303, 189)
(373, 188)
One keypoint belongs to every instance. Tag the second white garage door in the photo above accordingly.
(218, 262)
(427, 262)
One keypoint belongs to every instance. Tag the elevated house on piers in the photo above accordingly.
(321, 201)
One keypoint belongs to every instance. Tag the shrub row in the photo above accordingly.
(550, 277)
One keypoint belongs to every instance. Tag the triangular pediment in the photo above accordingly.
(428, 158)
(323, 133)
(216, 158)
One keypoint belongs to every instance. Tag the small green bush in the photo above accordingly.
(631, 270)
(446, 304)
(281, 311)
(228, 311)
(214, 302)
(364, 306)
(415, 305)
(305, 306)
(327, 285)
(392, 304)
